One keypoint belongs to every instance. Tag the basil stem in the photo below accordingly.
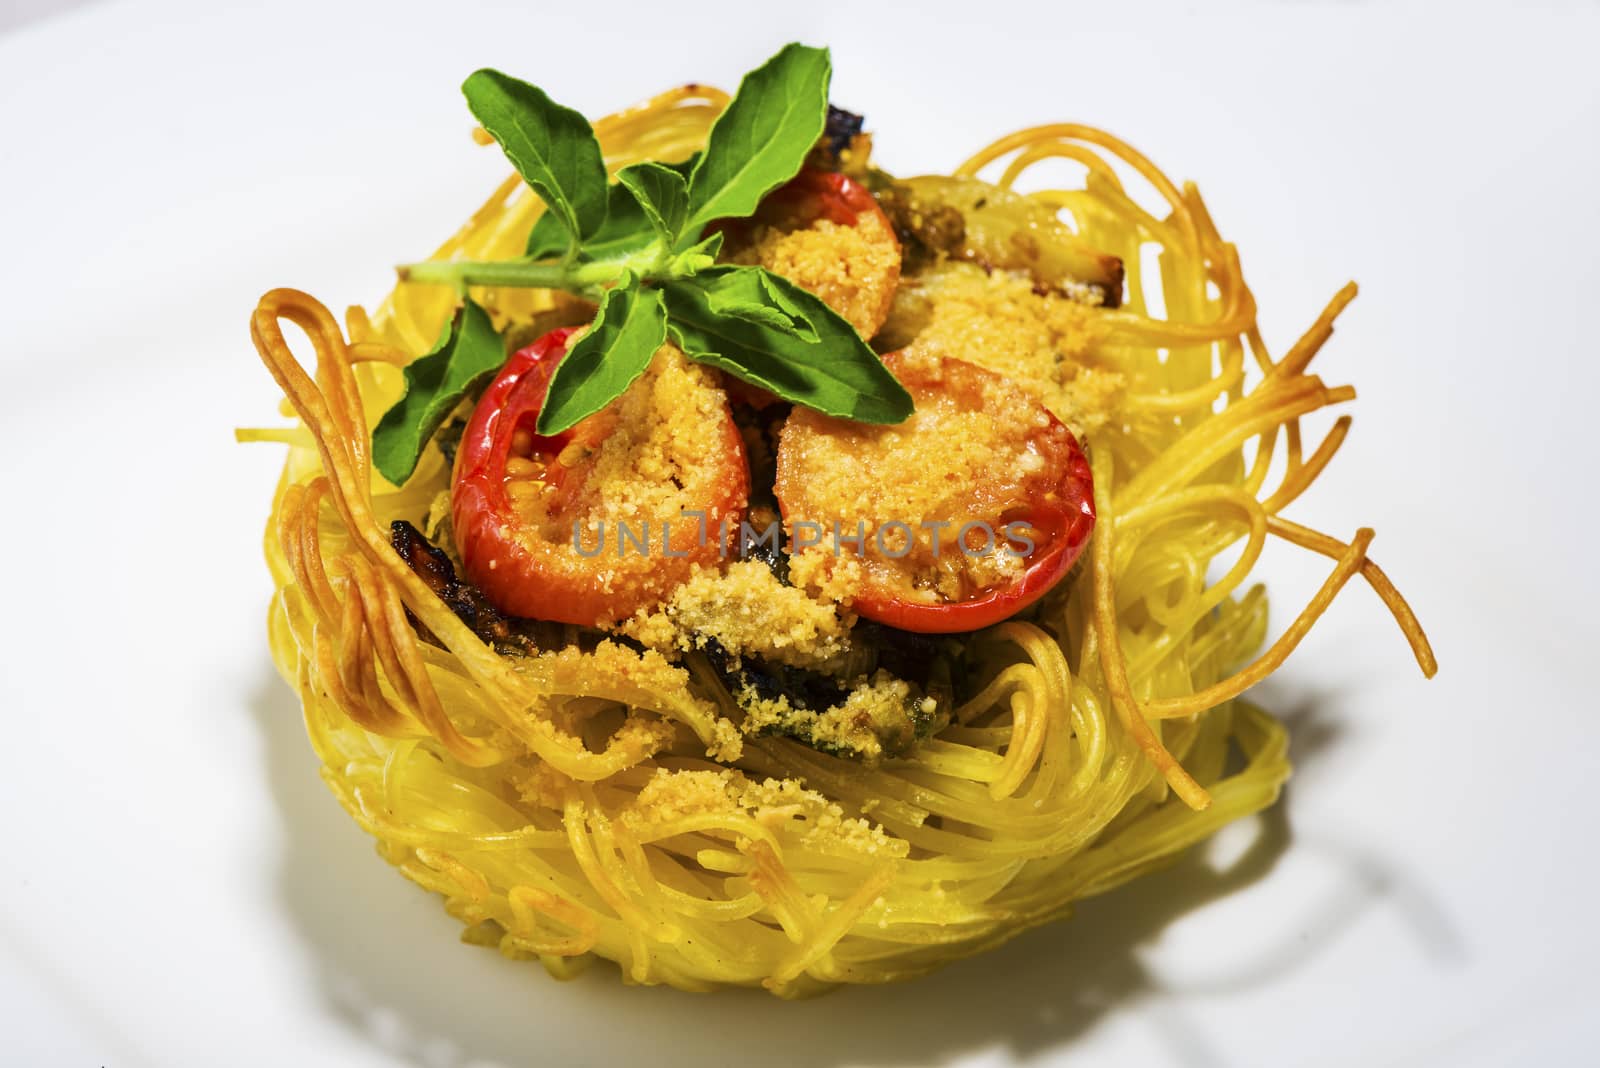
(580, 277)
(590, 278)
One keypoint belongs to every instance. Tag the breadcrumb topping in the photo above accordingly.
(963, 458)
(828, 577)
(999, 321)
(749, 612)
(609, 665)
(780, 804)
(879, 718)
(853, 269)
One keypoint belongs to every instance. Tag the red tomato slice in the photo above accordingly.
(979, 455)
(516, 495)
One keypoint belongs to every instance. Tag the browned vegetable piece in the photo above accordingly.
(970, 219)
(465, 600)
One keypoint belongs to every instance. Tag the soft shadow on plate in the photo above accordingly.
(387, 960)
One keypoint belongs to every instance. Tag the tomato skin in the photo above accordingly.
(1045, 569)
(522, 571)
(1060, 514)
(818, 194)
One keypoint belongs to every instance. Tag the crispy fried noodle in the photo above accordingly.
(591, 799)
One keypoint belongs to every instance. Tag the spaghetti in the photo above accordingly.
(597, 802)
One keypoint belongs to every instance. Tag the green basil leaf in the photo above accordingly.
(764, 135)
(627, 228)
(625, 231)
(629, 328)
(661, 193)
(552, 147)
(699, 256)
(467, 353)
(837, 373)
(750, 293)
(549, 237)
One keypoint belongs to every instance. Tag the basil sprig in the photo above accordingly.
(636, 246)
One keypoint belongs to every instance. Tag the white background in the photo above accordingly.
(178, 888)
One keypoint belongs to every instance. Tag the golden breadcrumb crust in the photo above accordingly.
(999, 321)
(854, 269)
(748, 611)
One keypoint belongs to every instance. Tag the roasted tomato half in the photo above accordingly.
(956, 519)
(590, 525)
(824, 232)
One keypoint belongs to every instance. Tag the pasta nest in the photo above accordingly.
(581, 804)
